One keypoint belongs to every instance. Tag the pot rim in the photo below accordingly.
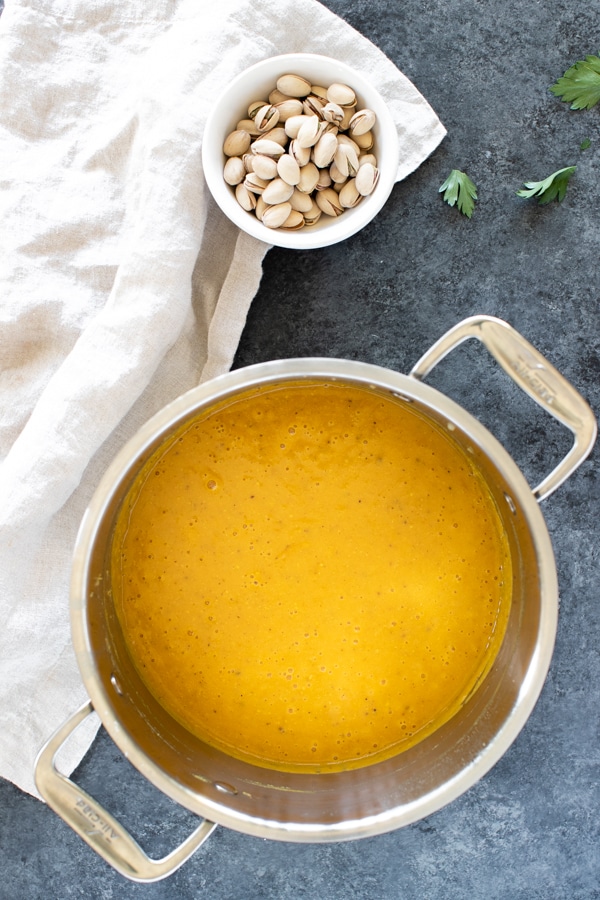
(367, 374)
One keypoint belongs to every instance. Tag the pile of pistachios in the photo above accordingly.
(303, 152)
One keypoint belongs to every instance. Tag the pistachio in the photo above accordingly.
(324, 180)
(254, 184)
(303, 152)
(293, 86)
(317, 90)
(254, 107)
(301, 202)
(333, 113)
(275, 216)
(349, 195)
(329, 202)
(245, 198)
(248, 126)
(261, 206)
(312, 216)
(365, 141)
(346, 159)
(294, 221)
(324, 150)
(267, 147)
(266, 117)
(277, 191)
(278, 135)
(341, 94)
(365, 158)
(288, 108)
(236, 143)
(309, 132)
(264, 166)
(309, 175)
(234, 170)
(277, 97)
(300, 154)
(294, 124)
(361, 122)
(312, 106)
(366, 179)
(288, 169)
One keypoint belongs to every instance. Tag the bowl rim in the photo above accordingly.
(324, 233)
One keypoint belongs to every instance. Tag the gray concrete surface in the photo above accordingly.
(530, 829)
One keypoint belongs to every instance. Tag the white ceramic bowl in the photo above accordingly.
(257, 82)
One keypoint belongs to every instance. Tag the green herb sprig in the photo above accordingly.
(554, 187)
(459, 189)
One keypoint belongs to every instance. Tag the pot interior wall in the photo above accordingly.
(225, 789)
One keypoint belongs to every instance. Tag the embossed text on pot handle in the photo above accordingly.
(535, 375)
(95, 825)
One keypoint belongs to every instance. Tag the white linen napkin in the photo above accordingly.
(122, 284)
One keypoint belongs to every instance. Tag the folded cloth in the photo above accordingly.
(123, 285)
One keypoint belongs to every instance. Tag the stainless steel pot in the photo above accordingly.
(345, 805)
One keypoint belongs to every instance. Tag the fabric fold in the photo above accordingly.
(123, 285)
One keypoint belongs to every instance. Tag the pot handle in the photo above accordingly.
(534, 375)
(95, 825)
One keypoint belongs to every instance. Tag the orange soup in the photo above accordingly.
(312, 576)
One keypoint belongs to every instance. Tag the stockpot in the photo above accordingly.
(333, 806)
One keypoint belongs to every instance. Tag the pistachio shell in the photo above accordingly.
(277, 191)
(324, 180)
(344, 139)
(265, 167)
(236, 143)
(366, 179)
(336, 175)
(309, 132)
(312, 215)
(293, 86)
(349, 195)
(266, 118)
(365, 158)
(341, 94)
(334, 113)
(294, 124)
(300, 154)
(348, 113)
(277, 97)
(294, 221)
(275, 216)
(278, 135)
(362, 121)
(324, 150)
(288, 169)
(254, 107)
(365, 141)
(249, 126)
(245, 198)
(234, 171)
(301, 202)
(260, 207)
(253, 183)
(329, 202)
(312, 106)
(309, 175)
(288, 108)
(248, 160)
(346, 159)
(317, 90)
(267, 147)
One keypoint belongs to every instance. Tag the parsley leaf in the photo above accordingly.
(580, 84)
(552, 188)
(585, 144)
(458, 188)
